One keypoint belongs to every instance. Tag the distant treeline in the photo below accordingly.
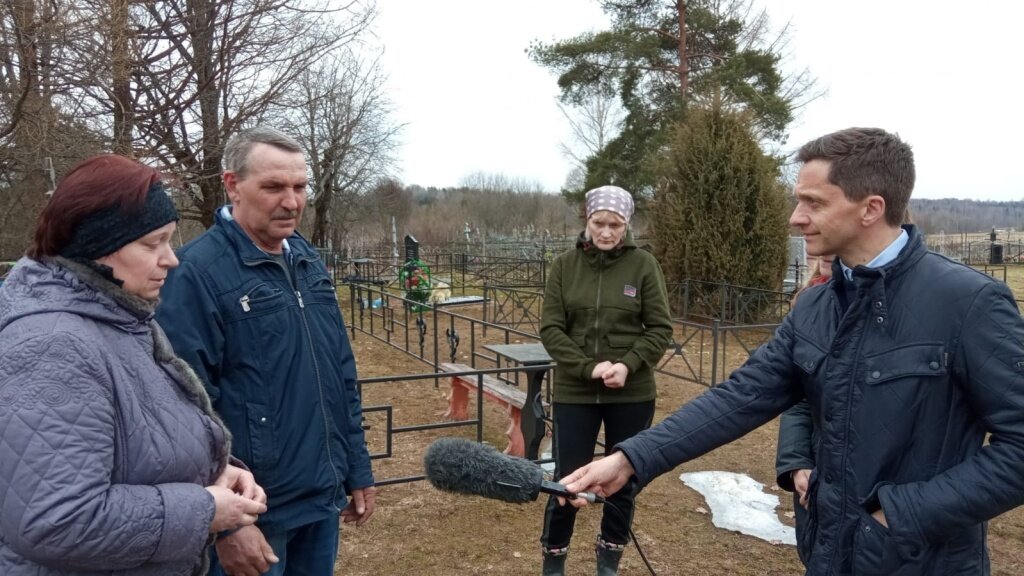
(439, 216)
(952, 215)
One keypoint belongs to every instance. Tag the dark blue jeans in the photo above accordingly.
(309, 550)
(575, 435)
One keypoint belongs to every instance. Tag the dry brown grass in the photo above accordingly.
(1014, 279)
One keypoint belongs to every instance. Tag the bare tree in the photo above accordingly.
(206, 68)
(593, 123)
(498, 182)
(39, 137)
(166, 82)
(344, 121)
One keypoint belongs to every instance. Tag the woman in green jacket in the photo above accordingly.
(606, 324)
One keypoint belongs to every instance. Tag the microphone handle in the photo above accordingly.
(557, 489)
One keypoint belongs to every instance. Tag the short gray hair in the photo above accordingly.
(236, 151)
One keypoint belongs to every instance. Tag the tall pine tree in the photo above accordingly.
(662, 55)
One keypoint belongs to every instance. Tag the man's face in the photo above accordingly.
(829, 221)
(268, 202)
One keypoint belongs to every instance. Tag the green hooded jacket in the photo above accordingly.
(605, 305)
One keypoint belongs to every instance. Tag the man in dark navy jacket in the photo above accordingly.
(253, 310)
(907, 360)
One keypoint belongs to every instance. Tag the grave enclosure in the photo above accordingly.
(496, 301)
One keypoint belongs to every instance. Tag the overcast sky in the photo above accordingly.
(945, 76)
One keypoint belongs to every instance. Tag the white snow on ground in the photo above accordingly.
(738, 503)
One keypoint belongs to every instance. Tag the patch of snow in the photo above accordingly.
(739, 503)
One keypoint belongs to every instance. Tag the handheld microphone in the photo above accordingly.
(465, 467)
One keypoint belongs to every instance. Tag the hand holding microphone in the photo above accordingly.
(464, 467)
(605, 476)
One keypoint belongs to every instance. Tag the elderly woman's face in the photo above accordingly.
(143, 264)
(606, 229)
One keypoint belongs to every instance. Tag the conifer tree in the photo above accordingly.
(660, 57)
(719, 211)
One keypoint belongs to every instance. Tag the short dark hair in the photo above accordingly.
(236, 151)
(865, 162)
(92, 185)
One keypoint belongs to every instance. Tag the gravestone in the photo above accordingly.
(412, 248)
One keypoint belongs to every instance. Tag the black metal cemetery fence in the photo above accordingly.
(997, 271)
(539, 249)
(701, 352)
(729, 304)
(518, 307)
(705, 354)
(432, 335)
(716, 326)
(464, 273)
(394, 320)
(391, 428)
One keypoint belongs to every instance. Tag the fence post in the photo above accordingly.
(714, 351)
(725, 295)
(486, 289)
(352, 309)
(437, 350)
(686, 299)
(462, 271)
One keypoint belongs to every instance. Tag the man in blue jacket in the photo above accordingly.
(907, 359)
(253, 310)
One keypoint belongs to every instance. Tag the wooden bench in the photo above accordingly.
(495, 389)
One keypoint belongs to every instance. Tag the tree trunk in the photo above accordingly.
(36, 121)
(684, 64)
(322, 217)
(210, 150)
(212, 192)
(120, 56)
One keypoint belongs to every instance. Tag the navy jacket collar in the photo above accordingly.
(247, 249)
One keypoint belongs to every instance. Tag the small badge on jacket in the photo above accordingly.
(629, 291)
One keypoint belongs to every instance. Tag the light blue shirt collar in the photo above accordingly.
(888, 255)
(225, 212)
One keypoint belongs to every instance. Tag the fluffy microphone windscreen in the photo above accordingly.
(465, 467)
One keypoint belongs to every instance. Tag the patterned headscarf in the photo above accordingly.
(612, 199)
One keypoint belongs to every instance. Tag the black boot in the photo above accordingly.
(554, 561)
(608, 556)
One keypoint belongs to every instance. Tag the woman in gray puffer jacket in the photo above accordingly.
(111, 459)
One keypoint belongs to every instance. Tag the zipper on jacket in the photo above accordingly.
(597, 314)
(846, 435)
(320, 391)
(316, 371)
(323, 402)
(244, 301)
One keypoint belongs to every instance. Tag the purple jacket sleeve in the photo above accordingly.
(59, 447)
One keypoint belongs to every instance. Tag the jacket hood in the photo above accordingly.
(56, 285)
